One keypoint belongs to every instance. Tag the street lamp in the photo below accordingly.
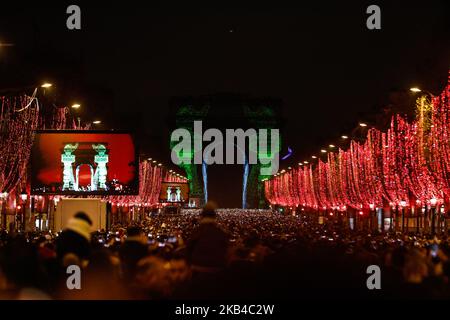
(362, 124)
(21, 209)
(46, 85)
(433, 203)
(96, 122)
(4, 44)
(23, 196)
(403, 205)
(344, 137)
(371, 211)
(417, 206)
(418, 90)
(76, 106)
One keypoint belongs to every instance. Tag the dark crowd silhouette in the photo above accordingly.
(222, 254)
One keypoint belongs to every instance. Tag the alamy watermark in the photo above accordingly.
(73, 21)
(189, 149)
(374, 280)
(373, 22)
(73, 281)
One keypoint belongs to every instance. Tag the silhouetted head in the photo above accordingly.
(81, 223)
(209, 210)
(134, 231)
(83, 216)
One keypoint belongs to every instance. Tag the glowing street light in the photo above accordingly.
(3, 44)
(433, 202)
(305, 162)
(323, 151)
(332, 146)
(314, 157)
(46, 85)
(344, 137)
(96, 122)
(76, 106)
(300, 164)
(362, 124)
(415, 89)
(23, 196)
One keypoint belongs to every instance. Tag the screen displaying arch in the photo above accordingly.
(84, 162)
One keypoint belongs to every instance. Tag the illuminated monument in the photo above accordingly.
(174, 194)
(226, 111)
(67, 158)
(95, 156)
(101, 159)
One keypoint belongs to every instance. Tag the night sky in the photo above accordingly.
(129, 60)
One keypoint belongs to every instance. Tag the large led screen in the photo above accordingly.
(83, 163)
(173, 192)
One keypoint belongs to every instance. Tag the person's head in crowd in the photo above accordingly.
(21, 266)
(135, 233)
(415, 268)
(209, 210)
(154, 275)
(446, 271)
(398, 257)
(75, 238)
(81, 224)
(179, 270)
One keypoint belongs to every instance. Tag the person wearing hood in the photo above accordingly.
(75, 239)
(131, 251)
(208, 247)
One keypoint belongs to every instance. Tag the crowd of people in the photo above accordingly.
(221, 254)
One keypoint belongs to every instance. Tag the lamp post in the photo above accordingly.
(433, 203)
(403, 205)
(3, 201)
(23, 197)
(372, 208)
(392, 218)
(417, 213)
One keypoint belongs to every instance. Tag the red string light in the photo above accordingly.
(410, 163)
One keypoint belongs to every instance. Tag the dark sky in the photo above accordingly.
(129, 59)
